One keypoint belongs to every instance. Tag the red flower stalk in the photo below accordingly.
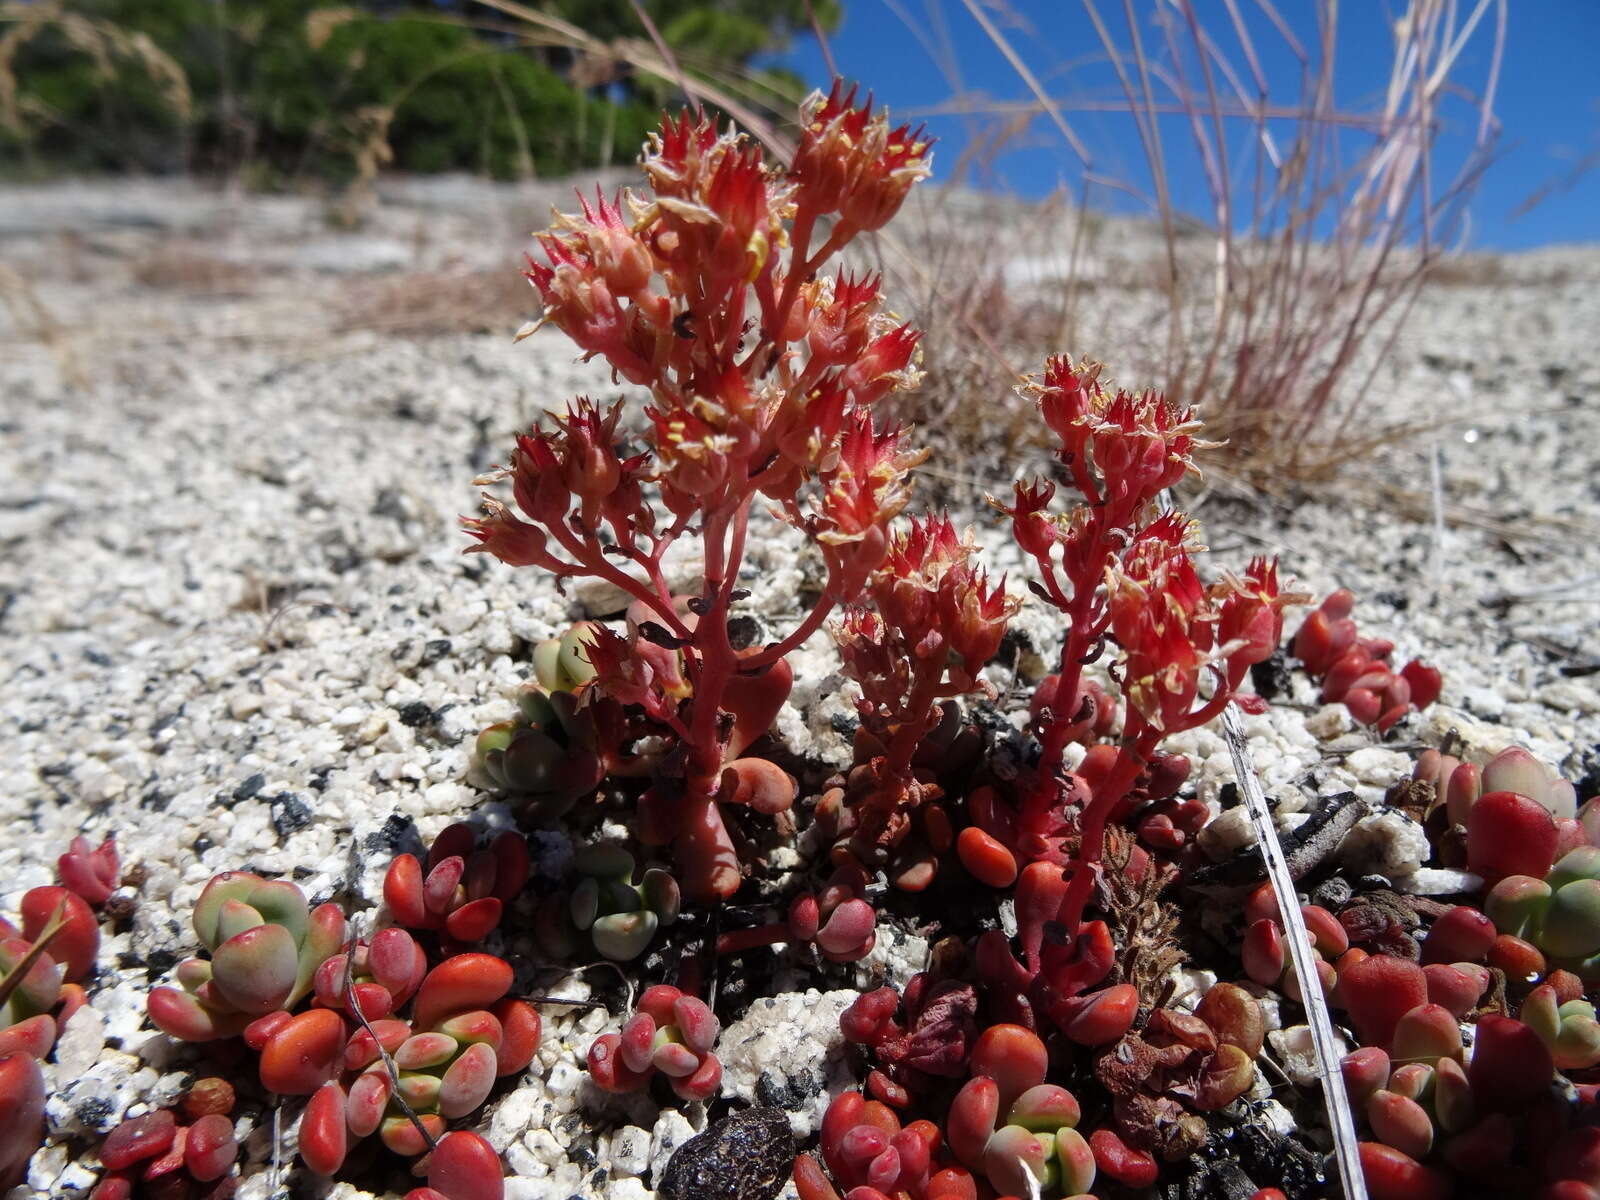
(932, 624)
(1120, 571)
(761, 372)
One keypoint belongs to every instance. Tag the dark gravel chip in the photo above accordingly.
(394, 831)
(415, 714)
(1271, 675)
(1332, 893)
(747, 1156)
(248, 789)
(289, 813)
(787, 1091)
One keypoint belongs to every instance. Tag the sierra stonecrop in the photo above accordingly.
(762, 369)
(266, 946)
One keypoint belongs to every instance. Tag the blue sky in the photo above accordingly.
(1548, 98)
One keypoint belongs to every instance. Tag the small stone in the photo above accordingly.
(747, 1156)
(81, 1041)
(630, 1150)
(1376, 766)
(1329, 721)
(289, 813)
(248, 789)
(1230, 832)
(245, 704)
(1297, 1054)
(1443, 881)
(672, 1129)
(1332, 894)
(1387, 842)
(414, 713)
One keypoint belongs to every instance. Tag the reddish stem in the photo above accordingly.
(1137, 744)
(736, 941)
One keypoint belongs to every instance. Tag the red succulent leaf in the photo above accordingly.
(91, 872)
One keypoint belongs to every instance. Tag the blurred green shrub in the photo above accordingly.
(288, 87)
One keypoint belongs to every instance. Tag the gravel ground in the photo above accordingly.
(236, 629)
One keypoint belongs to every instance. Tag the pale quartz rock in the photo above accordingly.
(1296, 1053)
(1386, 843)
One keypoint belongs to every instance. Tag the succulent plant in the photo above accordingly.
(385, 974)
(1512, 816)
(90, 871)
(926, 1033)
(920, 637)
(867, 1155)
(551, 754)
(32, 983)
(22, 1097)
(670, 1033)
(464, 1032)
(1264, 954)
(1178, 1065)
(461, 890)
(1569, 1031)
(561, 664)
(265, 949)
(154, 1155)
(1356, 671)
(1035, 1144)
(1496, 1120)
(606, 907)
(838, 921)
(1558, 914)
(463, 1166)
(56, 945)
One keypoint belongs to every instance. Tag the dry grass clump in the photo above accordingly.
(177, 268)
(431, 303)
(1272, 297)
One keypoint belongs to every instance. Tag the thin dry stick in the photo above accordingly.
(353, 1003)
(277, 1149)
(19, 970)
(1323, 1038)
(552, 30)
(822, 41)
(667, 56)
(1436, 478)
(1316, 269)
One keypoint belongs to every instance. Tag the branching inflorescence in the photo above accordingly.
(762, 372)
(1117, 567)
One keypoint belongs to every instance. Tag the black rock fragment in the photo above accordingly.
(747, 1156)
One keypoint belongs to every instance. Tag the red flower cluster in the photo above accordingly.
(1119, 569)
(761, 371)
